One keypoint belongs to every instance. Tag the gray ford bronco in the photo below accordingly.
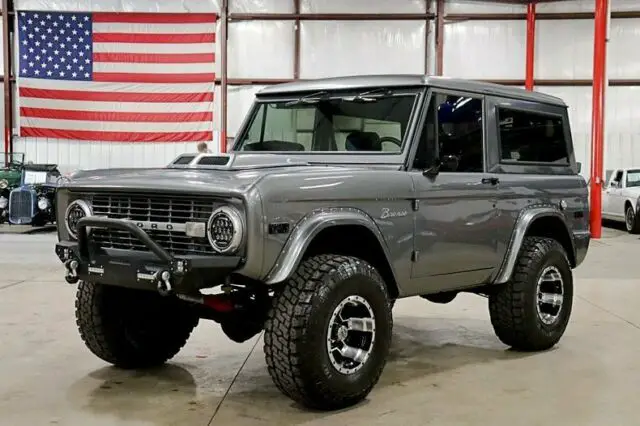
(339, 196)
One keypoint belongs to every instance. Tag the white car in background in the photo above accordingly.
(621, 198)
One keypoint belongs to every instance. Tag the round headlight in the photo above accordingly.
(3, 202)
(76, 211)
(225, 229)
(4, 183)
(43, 203)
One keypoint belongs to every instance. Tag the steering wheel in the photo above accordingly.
(391, 139)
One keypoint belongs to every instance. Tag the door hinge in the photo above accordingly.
(415, 205)
(414, 255)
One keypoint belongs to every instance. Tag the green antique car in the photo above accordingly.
(10, 176)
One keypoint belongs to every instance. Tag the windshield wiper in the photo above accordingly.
(309, 99)
(369, 96)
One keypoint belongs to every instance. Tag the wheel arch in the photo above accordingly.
(629, 202)
(540, 222)
(338, 227)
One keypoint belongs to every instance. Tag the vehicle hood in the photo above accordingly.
(233, 178)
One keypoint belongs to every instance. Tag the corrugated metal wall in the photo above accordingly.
(473, 49)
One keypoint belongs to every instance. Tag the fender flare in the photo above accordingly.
(524, 221)
(308, 228)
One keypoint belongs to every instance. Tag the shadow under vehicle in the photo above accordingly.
(339, 196)
(10, 176)
(33, 201)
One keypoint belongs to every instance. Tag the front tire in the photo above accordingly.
(631, 221)
(531, 312)
(328, 334)
(131, 328)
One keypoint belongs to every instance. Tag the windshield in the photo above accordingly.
(15, 159)
(633, 178)
(367, 122)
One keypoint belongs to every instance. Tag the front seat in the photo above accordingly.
(363, 141)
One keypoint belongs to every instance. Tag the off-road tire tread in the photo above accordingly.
(286, 325)
(506, 306)
(98, 325)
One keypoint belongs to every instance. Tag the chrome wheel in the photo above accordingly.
(351, 334)
(550, 291)
(629, 218)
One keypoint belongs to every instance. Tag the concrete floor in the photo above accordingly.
(447, 367)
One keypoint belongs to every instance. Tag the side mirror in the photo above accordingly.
(579, 164)
(615, 184)
(450, 163)
(433, 170)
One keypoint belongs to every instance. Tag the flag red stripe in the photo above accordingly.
(155, 18)
(155, 58)
(86, 135)
(155, 117)
(121, 77)
(153, 38)
(78, 95)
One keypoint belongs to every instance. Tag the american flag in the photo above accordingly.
(124, 77)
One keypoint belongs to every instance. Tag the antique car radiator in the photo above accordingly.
(21, 206)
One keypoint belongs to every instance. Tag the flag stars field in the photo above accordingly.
(95, 76)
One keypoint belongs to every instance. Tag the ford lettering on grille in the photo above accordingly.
(174, 222)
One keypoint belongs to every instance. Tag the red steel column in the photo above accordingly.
(224, 29)
(439, 37)
(597, 119)
(531, 43)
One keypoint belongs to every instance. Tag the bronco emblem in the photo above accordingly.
(386, 213)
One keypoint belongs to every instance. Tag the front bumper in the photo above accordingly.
(153, 270)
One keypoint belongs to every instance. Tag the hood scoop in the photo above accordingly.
(237, 162)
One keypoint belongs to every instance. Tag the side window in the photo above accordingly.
(616, 179)
(632, 179)
(452, 133)
(531, 137)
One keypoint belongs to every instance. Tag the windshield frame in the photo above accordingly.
(10, 157)
(389, 157)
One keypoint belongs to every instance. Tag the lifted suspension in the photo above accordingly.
(241, 311)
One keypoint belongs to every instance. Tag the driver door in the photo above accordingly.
(457, 212)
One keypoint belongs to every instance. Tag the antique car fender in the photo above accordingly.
(308, 228)
(526, 218)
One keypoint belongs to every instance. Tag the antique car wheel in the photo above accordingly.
(328, 334)
(531, 312)
(131, 328)
(631, 220)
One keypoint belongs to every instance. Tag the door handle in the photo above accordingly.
(490, 180)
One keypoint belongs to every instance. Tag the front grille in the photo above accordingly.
(153, 208)
(20, 206)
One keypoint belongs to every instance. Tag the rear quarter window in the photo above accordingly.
(531, 138)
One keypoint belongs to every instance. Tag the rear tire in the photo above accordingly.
(532, 311)
(131, 328)
(303, 325)
(631, 221)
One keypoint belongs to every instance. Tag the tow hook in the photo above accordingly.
(164, 283)
(71, 276)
